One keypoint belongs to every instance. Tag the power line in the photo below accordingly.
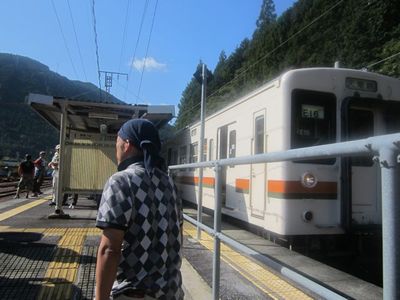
(276, 48)
(64, 39)
(76, 39)
(381, 61)
(190, 111)
(137, 41)
(96, 44)
(108, 78)
(130, 91)
(238, 76)
(124, 35)
(147, 48)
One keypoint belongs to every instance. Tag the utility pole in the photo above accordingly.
(108, 78)
(201, 146)
(201, 78)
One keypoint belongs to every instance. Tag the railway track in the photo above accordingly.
(10, 188)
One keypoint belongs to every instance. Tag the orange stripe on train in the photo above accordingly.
(242, 185)
(191, 180)
(280, 186)
(276, 188)
(295, 190)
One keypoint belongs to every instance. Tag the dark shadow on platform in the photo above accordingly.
(26, 244)
(29, 288)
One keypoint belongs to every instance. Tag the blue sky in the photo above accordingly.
(184, 31)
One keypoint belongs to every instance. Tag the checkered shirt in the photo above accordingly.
(149, 211)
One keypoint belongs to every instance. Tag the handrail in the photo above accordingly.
(385, 149)
(306, 281)
(364, 146)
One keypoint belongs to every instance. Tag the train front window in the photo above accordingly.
(313, 120)
(391, 117)
(361, 126)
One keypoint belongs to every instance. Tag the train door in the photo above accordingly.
(366, 118)
(258, 171)
(227, 149)
(364, 173)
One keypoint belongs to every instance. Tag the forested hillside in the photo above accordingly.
(21, 129)
(357, 33)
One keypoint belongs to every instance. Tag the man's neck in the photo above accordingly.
(128, 161)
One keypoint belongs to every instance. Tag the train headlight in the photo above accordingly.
(307, 216)
(308, 180)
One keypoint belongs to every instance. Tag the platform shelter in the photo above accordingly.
(88, 131)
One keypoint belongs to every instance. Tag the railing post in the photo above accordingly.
(61, 165)
(390, 221)
(217, 229)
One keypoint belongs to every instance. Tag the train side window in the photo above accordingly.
(259, 135)
(169, 156)
(174, 157)
(313, 121)
(223, 142)
(182, 155)
(211, 150)
(194, 152)
(232, 144)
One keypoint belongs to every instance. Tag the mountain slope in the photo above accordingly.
(21, 129)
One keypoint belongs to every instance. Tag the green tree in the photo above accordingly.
(312, 33)
(189, 105)
(267, 14)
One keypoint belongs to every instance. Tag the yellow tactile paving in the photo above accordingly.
(55, 231)
(271, 284)
(12, 212)
(63, 270)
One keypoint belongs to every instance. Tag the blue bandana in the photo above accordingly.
(144, 136)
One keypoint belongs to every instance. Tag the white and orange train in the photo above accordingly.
(300, 108)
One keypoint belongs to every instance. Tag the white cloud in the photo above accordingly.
(149, 63)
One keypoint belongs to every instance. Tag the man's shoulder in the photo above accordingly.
(133, 171)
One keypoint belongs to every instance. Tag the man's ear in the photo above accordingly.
(129, 147)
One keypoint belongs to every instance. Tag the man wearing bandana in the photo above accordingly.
(139, 255)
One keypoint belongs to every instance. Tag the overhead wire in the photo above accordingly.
(147, 48)
(130, 92)
(76, 39)
(64, 39)
(124, 34)
(238, 76)
(96, 44)
(136, 44)
(381, 61)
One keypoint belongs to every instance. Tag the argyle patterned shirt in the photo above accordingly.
(148, 210)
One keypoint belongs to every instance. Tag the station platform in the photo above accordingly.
(43, 258)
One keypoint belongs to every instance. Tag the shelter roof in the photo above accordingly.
(88, 116)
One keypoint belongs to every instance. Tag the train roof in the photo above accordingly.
(316, 71)
(88, 116)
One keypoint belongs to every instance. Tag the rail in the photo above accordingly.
(385, 150)
(10, 188)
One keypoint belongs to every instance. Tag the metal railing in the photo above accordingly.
(385, 149)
